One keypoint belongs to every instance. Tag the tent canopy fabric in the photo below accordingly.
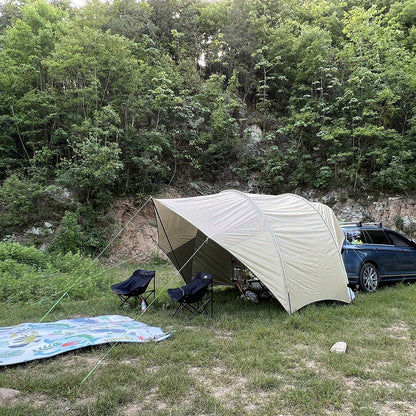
(291, 244)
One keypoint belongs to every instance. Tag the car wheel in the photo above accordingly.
(369, 278)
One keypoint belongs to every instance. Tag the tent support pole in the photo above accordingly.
(167, 238)
(270, 228)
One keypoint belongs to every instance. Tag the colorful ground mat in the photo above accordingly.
(33, 341)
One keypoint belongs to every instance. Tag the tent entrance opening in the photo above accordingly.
(249, 286)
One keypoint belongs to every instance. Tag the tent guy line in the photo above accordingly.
(76, 281)
(139, 315)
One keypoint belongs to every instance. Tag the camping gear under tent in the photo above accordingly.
(292, 245)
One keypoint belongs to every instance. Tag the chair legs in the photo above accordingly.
(143, 296)
(197, 308)
(194, 309)
(124, 299)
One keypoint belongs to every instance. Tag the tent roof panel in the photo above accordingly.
(291, 244)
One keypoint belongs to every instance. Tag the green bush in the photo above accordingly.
(25, 202)
(324, 178)
(69, 237)
(27, 274)
(21, 254)
(81, 231)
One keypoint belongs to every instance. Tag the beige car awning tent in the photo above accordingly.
(291, 244)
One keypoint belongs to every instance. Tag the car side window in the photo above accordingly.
(355, 237)
(378, 237)
(398, 240)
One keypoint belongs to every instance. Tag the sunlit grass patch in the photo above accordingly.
(247, 359)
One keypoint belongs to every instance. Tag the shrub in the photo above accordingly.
(69, 237)
(25, 201)
(27, 274)
(21, 254)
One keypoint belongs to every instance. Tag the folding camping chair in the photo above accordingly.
(194, 296)
(136, 286)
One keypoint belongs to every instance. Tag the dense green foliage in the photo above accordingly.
(126, 96)
(27, 274)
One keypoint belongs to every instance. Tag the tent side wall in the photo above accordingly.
(290, 244)
(176, 238)
(310, 251)
(187, 248)
(213, 259)
(332, 222)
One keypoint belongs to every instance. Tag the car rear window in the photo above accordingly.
(355, 237)
(398, 240)
(377, 237)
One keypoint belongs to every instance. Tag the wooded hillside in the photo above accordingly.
(124, 97)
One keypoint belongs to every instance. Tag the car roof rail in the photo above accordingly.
(351, 224)
(360, 224)
(374, 224)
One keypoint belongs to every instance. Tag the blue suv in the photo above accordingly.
(374, 254)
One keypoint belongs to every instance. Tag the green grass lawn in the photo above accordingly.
(249, 359)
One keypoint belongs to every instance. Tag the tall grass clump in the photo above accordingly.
(28, 274)
(22, 254)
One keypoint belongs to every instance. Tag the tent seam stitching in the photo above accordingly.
(274, 239)
(329, 229)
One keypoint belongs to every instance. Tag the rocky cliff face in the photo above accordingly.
(394, 212)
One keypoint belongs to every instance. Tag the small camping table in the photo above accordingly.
(245, 282)
(244, 285)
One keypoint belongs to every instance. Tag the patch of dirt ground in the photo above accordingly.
(136, 229)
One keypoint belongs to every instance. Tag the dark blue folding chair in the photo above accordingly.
(136, 287)
(195, 296)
